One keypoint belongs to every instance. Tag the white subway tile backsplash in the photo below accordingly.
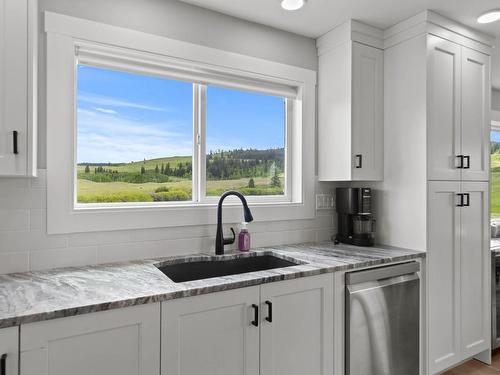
(83, 239)
(25, 245)
(14, 198)
(38, 240)
(127, 251)
(14, 183)
(54, 258)
(14, 262)
(38, 219)
(14, 220)
(40, 181)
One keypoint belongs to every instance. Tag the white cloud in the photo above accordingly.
(105, 137)
(119, 103)
(107, 111)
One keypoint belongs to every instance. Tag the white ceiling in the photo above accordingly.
(319, 16)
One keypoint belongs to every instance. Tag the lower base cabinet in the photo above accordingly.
(122, 341)
(9, 350)
(282, 328)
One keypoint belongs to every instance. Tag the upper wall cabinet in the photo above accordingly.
(458, 111)
(18, 68)
(350, 104)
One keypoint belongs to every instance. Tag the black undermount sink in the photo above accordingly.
(205, 269)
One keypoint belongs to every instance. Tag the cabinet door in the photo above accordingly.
(476, 91)
(211, 334)
(299, 338)
(443, 129)
(475, 258)
(122, 341)
(16, 88)
(9, 346)
(367, 112)
(443, 264)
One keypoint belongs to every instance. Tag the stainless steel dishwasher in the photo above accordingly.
(382, 320)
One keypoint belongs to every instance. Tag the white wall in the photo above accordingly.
(177, 20)
(495, 100)
(24, 244)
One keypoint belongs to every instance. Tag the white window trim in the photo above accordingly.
(64, 33)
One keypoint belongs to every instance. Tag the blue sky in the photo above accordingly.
(125, 117)
(495, 136)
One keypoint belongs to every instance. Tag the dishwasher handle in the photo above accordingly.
(381, 273)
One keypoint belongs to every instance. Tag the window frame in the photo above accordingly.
(65, 35)
(199, 106)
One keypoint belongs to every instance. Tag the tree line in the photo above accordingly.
(220, 165)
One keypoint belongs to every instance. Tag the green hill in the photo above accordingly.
(135, 166)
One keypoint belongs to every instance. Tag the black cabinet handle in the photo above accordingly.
(461, 161)
(14, 142)
(467, 201)
(461, 204)
(467, 164)
(255, 320)
(269, 317)
(3, 360)
(359, 161)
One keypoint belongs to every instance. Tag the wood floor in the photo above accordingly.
(478, 368)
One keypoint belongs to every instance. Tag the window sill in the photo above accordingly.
(101, 218)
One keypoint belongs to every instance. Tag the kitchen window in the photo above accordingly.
(145, 131)
(152, 139)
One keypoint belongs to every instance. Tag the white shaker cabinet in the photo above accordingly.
(458, 113)
(443, 276)
(475, 115)
(350, 104)
(212, 334)
(458, 272)
(281, 328)
(297, 327)
(122, 341)
(18, 72)
(475, 271)
(444, 109)
(9, 350)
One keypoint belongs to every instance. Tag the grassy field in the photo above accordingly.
(495, 185)
(100, 192)
(145, 181)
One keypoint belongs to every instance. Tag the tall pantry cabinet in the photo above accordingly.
(435, 192)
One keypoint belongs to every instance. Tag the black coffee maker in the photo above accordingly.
(356, 225)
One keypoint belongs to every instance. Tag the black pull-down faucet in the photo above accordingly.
(220, 241)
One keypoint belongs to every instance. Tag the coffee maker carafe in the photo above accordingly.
(356, 225)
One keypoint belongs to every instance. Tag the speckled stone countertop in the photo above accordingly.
(36, 296)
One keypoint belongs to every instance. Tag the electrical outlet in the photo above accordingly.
(325, 202)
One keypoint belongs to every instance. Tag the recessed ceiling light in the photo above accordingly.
(491, 16)
(292, 4)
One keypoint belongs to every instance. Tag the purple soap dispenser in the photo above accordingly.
(244, 238)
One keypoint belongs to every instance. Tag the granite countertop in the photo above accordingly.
(36, 296)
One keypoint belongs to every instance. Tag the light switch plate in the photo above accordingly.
(325, 202)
